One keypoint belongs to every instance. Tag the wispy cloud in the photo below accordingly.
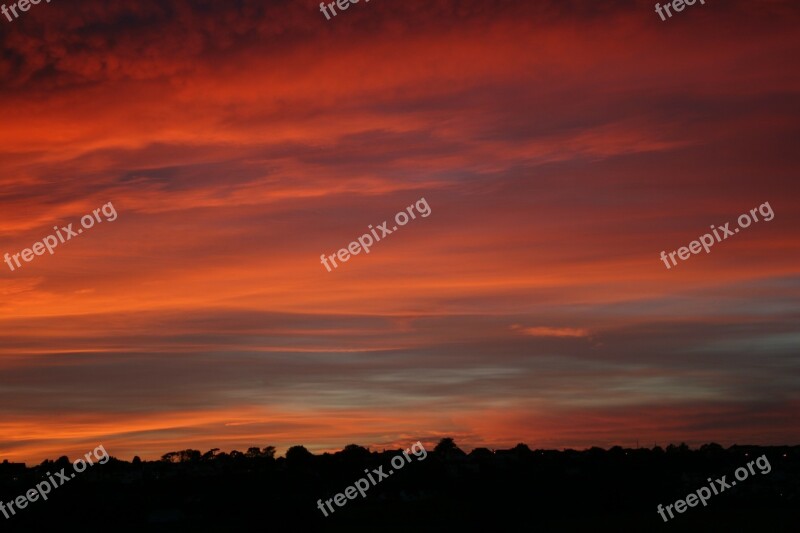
(544, 331)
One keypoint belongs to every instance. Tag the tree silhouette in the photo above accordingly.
(445, 445)
(447, 448)
(522, 450)
(481, 453)
(298, 456)
(269, 452)
(683, 449)
(189, 456)
(170, 457)
(354, 452)
(183, 456)
(210, 454)
(712, 448)
(179, 491)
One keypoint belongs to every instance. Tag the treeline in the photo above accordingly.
(516, 489)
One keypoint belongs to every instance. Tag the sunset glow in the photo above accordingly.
(560, 149)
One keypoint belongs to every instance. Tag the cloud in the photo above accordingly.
(561, 145)
(544, 331)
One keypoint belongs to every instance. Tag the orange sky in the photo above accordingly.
(560, 145)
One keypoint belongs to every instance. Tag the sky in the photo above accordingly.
(560, 145)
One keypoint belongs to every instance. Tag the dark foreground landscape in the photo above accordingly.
(441, 489)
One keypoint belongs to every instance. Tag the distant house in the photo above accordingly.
(11, 470)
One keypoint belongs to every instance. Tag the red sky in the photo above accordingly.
(561, 146)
